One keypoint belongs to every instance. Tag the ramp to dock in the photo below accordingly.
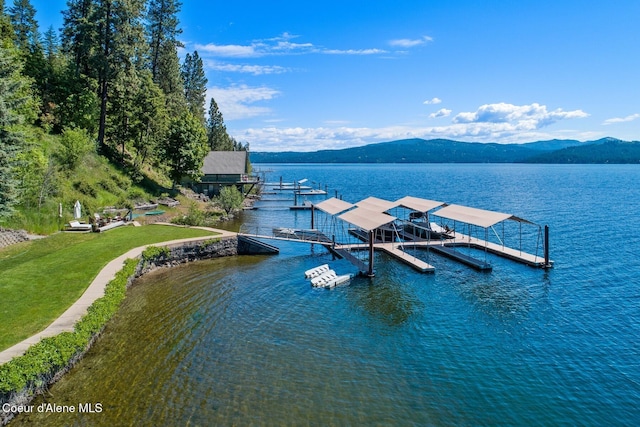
(343, 253)
(250, 246)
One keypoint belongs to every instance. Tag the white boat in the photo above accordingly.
(316, 271)
(338, 280)
(323, 279)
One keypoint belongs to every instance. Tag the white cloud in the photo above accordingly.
(228, 51)
(522, 117)
(443, 112)
(282, 45)
(236, 102)
(502, 123)
(432, 101)
(407, 43)
(352, 51)
(256, 70)
(630, 118)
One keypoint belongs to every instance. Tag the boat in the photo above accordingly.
(423, 230)
(316, 271)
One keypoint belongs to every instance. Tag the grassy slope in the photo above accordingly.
(41, 279)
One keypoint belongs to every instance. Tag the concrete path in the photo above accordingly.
(68, 319)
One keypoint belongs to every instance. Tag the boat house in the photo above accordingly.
(222, 169)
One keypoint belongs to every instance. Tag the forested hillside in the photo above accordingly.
(606, 150)
(96, 108)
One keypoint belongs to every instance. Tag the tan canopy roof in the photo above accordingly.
(366, 219)
(375, 204)
(418, 204)
(333, 206)
(474, 216)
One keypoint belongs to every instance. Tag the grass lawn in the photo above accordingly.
(40, 279)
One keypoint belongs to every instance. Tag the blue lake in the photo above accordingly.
(247, 341)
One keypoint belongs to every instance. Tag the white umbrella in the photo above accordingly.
(77, 209)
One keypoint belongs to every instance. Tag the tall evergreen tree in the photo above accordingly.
(79, 35)
(217, 136)
(11, 100)
(162, 35)
(162, 30)
(195, 85)
(120, 51)
(23, 20)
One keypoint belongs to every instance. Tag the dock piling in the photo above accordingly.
(547, 264)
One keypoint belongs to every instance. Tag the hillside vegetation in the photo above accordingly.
(104, 113)
(607, 150)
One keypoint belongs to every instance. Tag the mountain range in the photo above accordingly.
(605, 150)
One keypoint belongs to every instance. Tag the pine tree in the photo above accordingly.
(79, 35)
(217, 136)
(195, 85)
(23, 20)
(162, 31)
(11, 141)
(120, 53)
(162, 35)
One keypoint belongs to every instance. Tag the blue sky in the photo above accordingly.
(303, 76)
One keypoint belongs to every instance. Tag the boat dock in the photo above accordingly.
(370, 228)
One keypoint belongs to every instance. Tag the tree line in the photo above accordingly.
(111, 74)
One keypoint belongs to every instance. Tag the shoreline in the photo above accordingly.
(177, 252)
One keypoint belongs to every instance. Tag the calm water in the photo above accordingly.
(247, 341)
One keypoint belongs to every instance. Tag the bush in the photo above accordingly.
(75, 144)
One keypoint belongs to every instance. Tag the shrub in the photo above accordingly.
(75, 144)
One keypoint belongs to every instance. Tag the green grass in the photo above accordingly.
(40, 279)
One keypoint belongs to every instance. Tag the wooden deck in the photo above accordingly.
(394, 250)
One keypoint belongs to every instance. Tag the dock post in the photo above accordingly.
(370, 272)
(546, 247)
(312, 214)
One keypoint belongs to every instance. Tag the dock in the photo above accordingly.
(371, 227)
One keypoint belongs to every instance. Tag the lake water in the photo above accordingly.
(247, 341)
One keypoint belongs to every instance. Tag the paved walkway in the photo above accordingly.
(95, 290)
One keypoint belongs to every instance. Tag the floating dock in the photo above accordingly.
(376, 229)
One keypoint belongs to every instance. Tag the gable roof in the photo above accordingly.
(225, 163)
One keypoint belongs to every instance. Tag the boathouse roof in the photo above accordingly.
(375, 204)
(475, 216)
(418, 204)
(366, 219)
(333, 206)
(225, 163)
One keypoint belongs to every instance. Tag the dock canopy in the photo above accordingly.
(366, 219)
(474, 216)
(333, 206)
(417, 204)
(375, 204)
